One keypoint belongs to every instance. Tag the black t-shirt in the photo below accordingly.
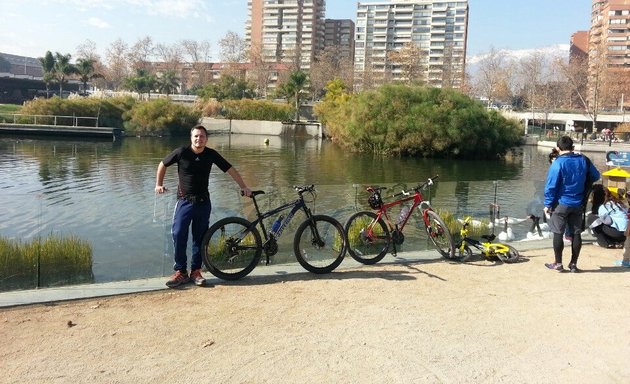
(193, 169)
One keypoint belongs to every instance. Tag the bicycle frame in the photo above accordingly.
(269, 244)
(417, 201)
(487, 248)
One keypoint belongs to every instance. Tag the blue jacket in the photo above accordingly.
(566, 179)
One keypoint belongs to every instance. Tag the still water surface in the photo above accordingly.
(103, 191)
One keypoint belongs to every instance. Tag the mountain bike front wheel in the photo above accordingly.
(368, 238)
(439, 234)
(231, 248)
(320, 244)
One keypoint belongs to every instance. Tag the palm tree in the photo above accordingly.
(62, 69)
(297, 83)
(142, 82)
(48, 67)
(85, 70)
(168, 82)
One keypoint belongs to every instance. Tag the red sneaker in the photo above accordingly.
(196, 277)
(179, 278)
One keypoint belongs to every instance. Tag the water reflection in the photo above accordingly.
(103, 191)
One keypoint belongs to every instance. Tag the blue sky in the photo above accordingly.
(31, 27)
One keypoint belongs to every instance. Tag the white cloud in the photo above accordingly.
(182, 9)
(98, 23)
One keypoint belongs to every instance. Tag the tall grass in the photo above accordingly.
(52, 261)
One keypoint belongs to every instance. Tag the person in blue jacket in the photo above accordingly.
(568, 180)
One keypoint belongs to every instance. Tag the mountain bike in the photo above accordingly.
(233, 246)
(370, 234)
(489, 249)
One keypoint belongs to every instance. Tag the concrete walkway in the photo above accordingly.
(76, 292)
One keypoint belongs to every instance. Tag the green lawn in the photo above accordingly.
(10, 108)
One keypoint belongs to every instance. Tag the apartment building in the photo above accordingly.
(286, 31)
(578, 49)
(609, 53)
(339, 33)
(437, 29)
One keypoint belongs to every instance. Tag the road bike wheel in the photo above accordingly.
(511, 256)
(440, 235)
(368, 239)
(319, 244)
(462, 255)
(231, 248)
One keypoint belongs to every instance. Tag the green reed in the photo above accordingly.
(44, 262)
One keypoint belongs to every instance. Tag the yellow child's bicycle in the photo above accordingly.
(489, 249)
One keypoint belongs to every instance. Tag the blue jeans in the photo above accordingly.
(187, 213)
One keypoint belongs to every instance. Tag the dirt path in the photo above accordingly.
(434, 322)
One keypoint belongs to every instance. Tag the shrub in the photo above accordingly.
(160, 117)
(418, 121)
(247, 109)
(109, 111)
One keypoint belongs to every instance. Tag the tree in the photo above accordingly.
(532, 70)
(168, 82)
(142, 82)
(63, 69)
(117, 68)
(233, 48)
(260, 73)
(409, 61)
(140, 54)
(198, 54)
(48, 67)
(228, 88)
(586, 79)
(494, 77)
(87, 51)
(329, 65)
(170, 55)
(86, 72)
(293, 88)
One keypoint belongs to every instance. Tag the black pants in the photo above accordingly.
(608, 237)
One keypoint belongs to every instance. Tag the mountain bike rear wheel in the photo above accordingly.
(231, 248)
(320, 244)
(368, 239)
(439, 234)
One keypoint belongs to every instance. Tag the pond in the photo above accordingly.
(102, 191)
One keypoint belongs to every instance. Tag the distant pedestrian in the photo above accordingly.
(569, 177)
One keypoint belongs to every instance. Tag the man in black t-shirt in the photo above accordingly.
(194, 163)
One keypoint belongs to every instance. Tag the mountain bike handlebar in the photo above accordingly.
(300, 189)
(417, 188)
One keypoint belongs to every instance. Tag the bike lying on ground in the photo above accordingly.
(369, 234)
(489, 249)
(232, 247)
